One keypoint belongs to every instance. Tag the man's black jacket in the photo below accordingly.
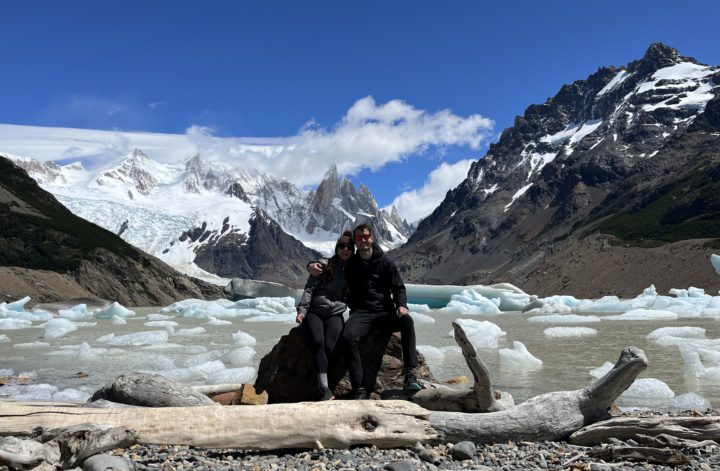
(374, 284)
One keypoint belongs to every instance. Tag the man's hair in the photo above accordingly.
(362, 228)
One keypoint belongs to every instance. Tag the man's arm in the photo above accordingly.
(398, 289)
(314, 267)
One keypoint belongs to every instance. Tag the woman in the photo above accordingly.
(322, 306)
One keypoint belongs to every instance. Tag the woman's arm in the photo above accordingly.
(304, 304)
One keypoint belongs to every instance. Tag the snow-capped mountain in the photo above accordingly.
(194, 214)
(606, 155)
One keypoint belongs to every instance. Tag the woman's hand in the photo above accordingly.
(299, 318)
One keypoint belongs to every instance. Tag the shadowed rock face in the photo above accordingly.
(40, 235)
(623, 154)
(288, 372)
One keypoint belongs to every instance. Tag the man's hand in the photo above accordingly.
(402, 311)
(299, 318)
(315, 268)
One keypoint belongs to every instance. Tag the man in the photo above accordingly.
(376, 297)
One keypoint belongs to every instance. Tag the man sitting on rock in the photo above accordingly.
(376, 298)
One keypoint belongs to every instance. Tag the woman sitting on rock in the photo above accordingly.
(322, 306)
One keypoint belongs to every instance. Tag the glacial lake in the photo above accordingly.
(567, 361)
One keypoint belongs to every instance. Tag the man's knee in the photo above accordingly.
(350, 337)
(407, 322)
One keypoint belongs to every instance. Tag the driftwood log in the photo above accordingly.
(637, 428)
(139, 389)
(338, 424)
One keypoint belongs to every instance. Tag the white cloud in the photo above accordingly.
(370, 135)
(416, 204)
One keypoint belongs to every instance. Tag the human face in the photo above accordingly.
(363, 241)
(344, 248)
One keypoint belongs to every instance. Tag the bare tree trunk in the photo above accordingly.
(625, 428)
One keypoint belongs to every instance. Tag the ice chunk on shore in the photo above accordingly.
(643, 315)
(564, 319)
(58, 327)
(691, 401)
(241, 339)
(518, 357)
(569, 331)
(14, 324)
(241, 356)
(683, 332)
(115, 309)
(232, 375)
(469, 302)
(431, 354)
(135, 339)
(650, 388)
(482, 334)
(715, 261)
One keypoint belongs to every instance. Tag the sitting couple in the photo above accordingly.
(369, 283)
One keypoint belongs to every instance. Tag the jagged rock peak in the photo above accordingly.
(664, 56)
(138, 154)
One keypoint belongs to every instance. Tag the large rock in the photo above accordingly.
(288, 372)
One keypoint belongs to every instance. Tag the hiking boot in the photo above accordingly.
(325, 394)
(360, 394)
(411, 383)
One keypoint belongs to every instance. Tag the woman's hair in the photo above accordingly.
(330, 267)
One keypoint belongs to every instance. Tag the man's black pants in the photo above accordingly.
(359, 325)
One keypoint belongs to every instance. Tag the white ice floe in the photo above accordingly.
(58, 327)
(419, 308)
(715, 261)
(710, 356)
(74, 315)
(221, 309)
(518, 357)
(37, 315)
(191, 331)
(682, 332)
(690, 401)
(241, 356)
(115, 309)
(470, 302)
(14, 324)
(214, 321)
(648, 388)
(193, 373)
(554, 306)
(694, 367)
(564, 319)
(71, 395)
(431, 354)
(86, 353)
(6, 372)
(643, 315)
(117, 320)
(31, 345)
(158, 317)
(160, 324)
(17, 306)
(511, 297)
(421, 318)
(242, 339)
(569, 331)
(169, 347)
(232, 375)
(135, 339)
(481, 334)
(286, 318)
(201, 358)
(29, 392)
(4, 338)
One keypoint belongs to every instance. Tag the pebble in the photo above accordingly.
(467, 450)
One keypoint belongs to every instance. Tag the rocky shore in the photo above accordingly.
(463, 455)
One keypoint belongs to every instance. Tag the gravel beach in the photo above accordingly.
(505, 456)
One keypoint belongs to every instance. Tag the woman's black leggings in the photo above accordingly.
(325, 333)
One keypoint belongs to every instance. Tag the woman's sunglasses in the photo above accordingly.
(344, 246)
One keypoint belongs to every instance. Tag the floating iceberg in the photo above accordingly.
(421, 318)
(554, 306)
(511, 297)
(569, 331)
(193, 373)
(431, 354)
(71, 395)
(232, 375)
(201, 358)
(4, 338)
(601, 371)
(14, 324)
(286, 318)
(242, 339)
(17, 306)
(158, 317)
(683, 332)
(192, 331)
(691, 401)
(469, 302)
(35, 344)
(74, 315)
(117, 320)
(419, 308)
(715, 261)
(693, 366)
(481, 334)
(241, 356)
(564, 319)
(30, 392)
(160, 324)
(214, 321)
(648, 388)
(518, 357)
(135, 339)
(86, 353)
(58, 327)
(115, 309)
(643, 315)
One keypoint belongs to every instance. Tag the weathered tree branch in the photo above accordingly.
(626, 428)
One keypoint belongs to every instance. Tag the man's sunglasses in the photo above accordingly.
(361, 237)
(344, 246)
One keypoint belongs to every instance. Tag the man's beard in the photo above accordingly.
(365, 252)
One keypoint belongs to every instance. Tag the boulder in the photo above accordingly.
(288, 372)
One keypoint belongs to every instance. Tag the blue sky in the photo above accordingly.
(265, 69)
